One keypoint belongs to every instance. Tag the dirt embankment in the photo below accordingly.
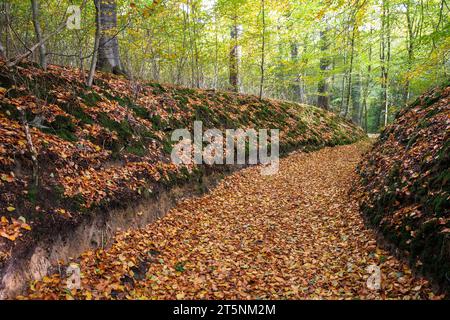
(405, 182)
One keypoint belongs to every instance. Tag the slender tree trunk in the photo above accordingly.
(216, 54)
(182, 60)
(234, 57)
(38, 32)
(344, 77)
(364, 110)
(4, 22)
(298, 94)
(356, 99)
(195, 47)
(343, 83)
(350, 74)
(95, 53)
(80, 59)
(263, 48)
(385, 53)
(388, 60)
(108, 52)
(4, 25)
(412, 30)
(191, 47)
(366, 85)
(323, 99)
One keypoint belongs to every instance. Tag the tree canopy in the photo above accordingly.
(364, 59)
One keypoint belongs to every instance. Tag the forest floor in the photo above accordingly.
(294, 235)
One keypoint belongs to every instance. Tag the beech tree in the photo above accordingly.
(108, 49)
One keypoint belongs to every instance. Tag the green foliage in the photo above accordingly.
(189, 44)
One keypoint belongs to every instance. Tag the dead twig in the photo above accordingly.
(31, 148)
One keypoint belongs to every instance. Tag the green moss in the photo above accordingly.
(122, 128)
(128, 138)
(136, 149)
(63, 127)
(33, 192)
(90, 98)
(167, 146)
(182, 101)
(10, 111)
(157, 122)
(205, 114)
(157, 88)
(185, 91)
(77, 112)
(126, 102)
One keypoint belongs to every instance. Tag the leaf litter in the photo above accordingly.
(294, 235)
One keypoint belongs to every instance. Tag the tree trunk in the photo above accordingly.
(216, 54)
(388, 60)
(385, 53)
(298, 94)
(366, 86)
(234, 58)
(323, 99)
(38, 32)
(412, 28)
(95, 53)
(263, 47)
(355, 96)
(198, 73)
(108, 52)
(4, 23)
(350, 73)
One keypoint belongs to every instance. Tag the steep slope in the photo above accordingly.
(107, 147)
(405, 180)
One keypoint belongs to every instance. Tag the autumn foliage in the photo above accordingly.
(405, 182)
(101, 147)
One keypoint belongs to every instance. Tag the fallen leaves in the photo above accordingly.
(12, 229)
(7, 177)
(111, 144)
(294, 235)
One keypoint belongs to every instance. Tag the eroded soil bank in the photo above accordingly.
(98, 231)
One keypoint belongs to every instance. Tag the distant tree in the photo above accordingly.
(385, 59)
(234, 57)
(323, 99)
(263, 48)
(38, 33)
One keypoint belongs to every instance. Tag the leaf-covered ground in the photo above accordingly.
(107, 146)
(294, 235)
(406, 184)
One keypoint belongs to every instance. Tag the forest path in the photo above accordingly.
(297, 234)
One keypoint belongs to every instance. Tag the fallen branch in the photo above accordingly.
(31, 148)
(2, 51)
